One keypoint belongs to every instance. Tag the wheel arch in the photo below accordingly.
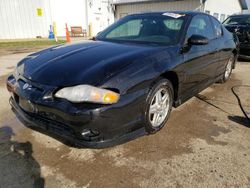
(174, 79)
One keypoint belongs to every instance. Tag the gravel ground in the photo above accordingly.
(206, 143)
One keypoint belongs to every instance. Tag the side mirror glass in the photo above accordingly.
(198, 40)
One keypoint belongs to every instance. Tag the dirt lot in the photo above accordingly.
(206, 143)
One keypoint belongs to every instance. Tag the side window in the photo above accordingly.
(217, 28)
(200, 25)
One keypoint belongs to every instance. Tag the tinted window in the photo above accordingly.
(238, 20)
(217, 28)
(130, 28)
(200, 25)
(173, 24)
(147, 29)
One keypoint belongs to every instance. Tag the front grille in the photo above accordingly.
(38, 121)
(52, 125)
(32, 85)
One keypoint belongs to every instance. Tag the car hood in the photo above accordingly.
(82, 63)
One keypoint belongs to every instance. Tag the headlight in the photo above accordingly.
(87, 93)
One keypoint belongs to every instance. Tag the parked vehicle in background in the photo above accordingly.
(240, 25)
(124, 83)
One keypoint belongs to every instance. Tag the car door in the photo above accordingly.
(223, 47)
(199, 60)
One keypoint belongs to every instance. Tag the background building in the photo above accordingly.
(32, 18)
(248, 10)
(219, 8)
(223, 8)
(125, 7)
(24, 18)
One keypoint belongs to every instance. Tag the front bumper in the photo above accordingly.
(84, 125)
(71, 133)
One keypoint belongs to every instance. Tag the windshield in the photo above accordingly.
(145, 29)
(238, 20)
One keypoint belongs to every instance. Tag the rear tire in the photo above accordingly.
(228, 69)
(158, 106)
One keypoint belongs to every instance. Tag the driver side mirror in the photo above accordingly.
(198, 40)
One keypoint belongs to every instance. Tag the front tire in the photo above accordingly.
(159, 105)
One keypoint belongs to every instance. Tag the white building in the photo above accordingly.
(223, 8)
(219, 8)
(248, 10)
(32, 18)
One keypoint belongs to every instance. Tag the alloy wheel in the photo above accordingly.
(159, 107)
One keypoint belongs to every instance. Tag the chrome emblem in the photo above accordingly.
(26, 86)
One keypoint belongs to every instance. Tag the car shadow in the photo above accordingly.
(18, 168)
(240, 120)
(237, 119)
(204, 99)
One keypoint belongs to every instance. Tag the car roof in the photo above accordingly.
(240, 15)
(191, 13)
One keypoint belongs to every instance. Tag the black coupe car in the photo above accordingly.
(125, 82)
(240, 25)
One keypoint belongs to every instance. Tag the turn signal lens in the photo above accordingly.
(110, 97)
